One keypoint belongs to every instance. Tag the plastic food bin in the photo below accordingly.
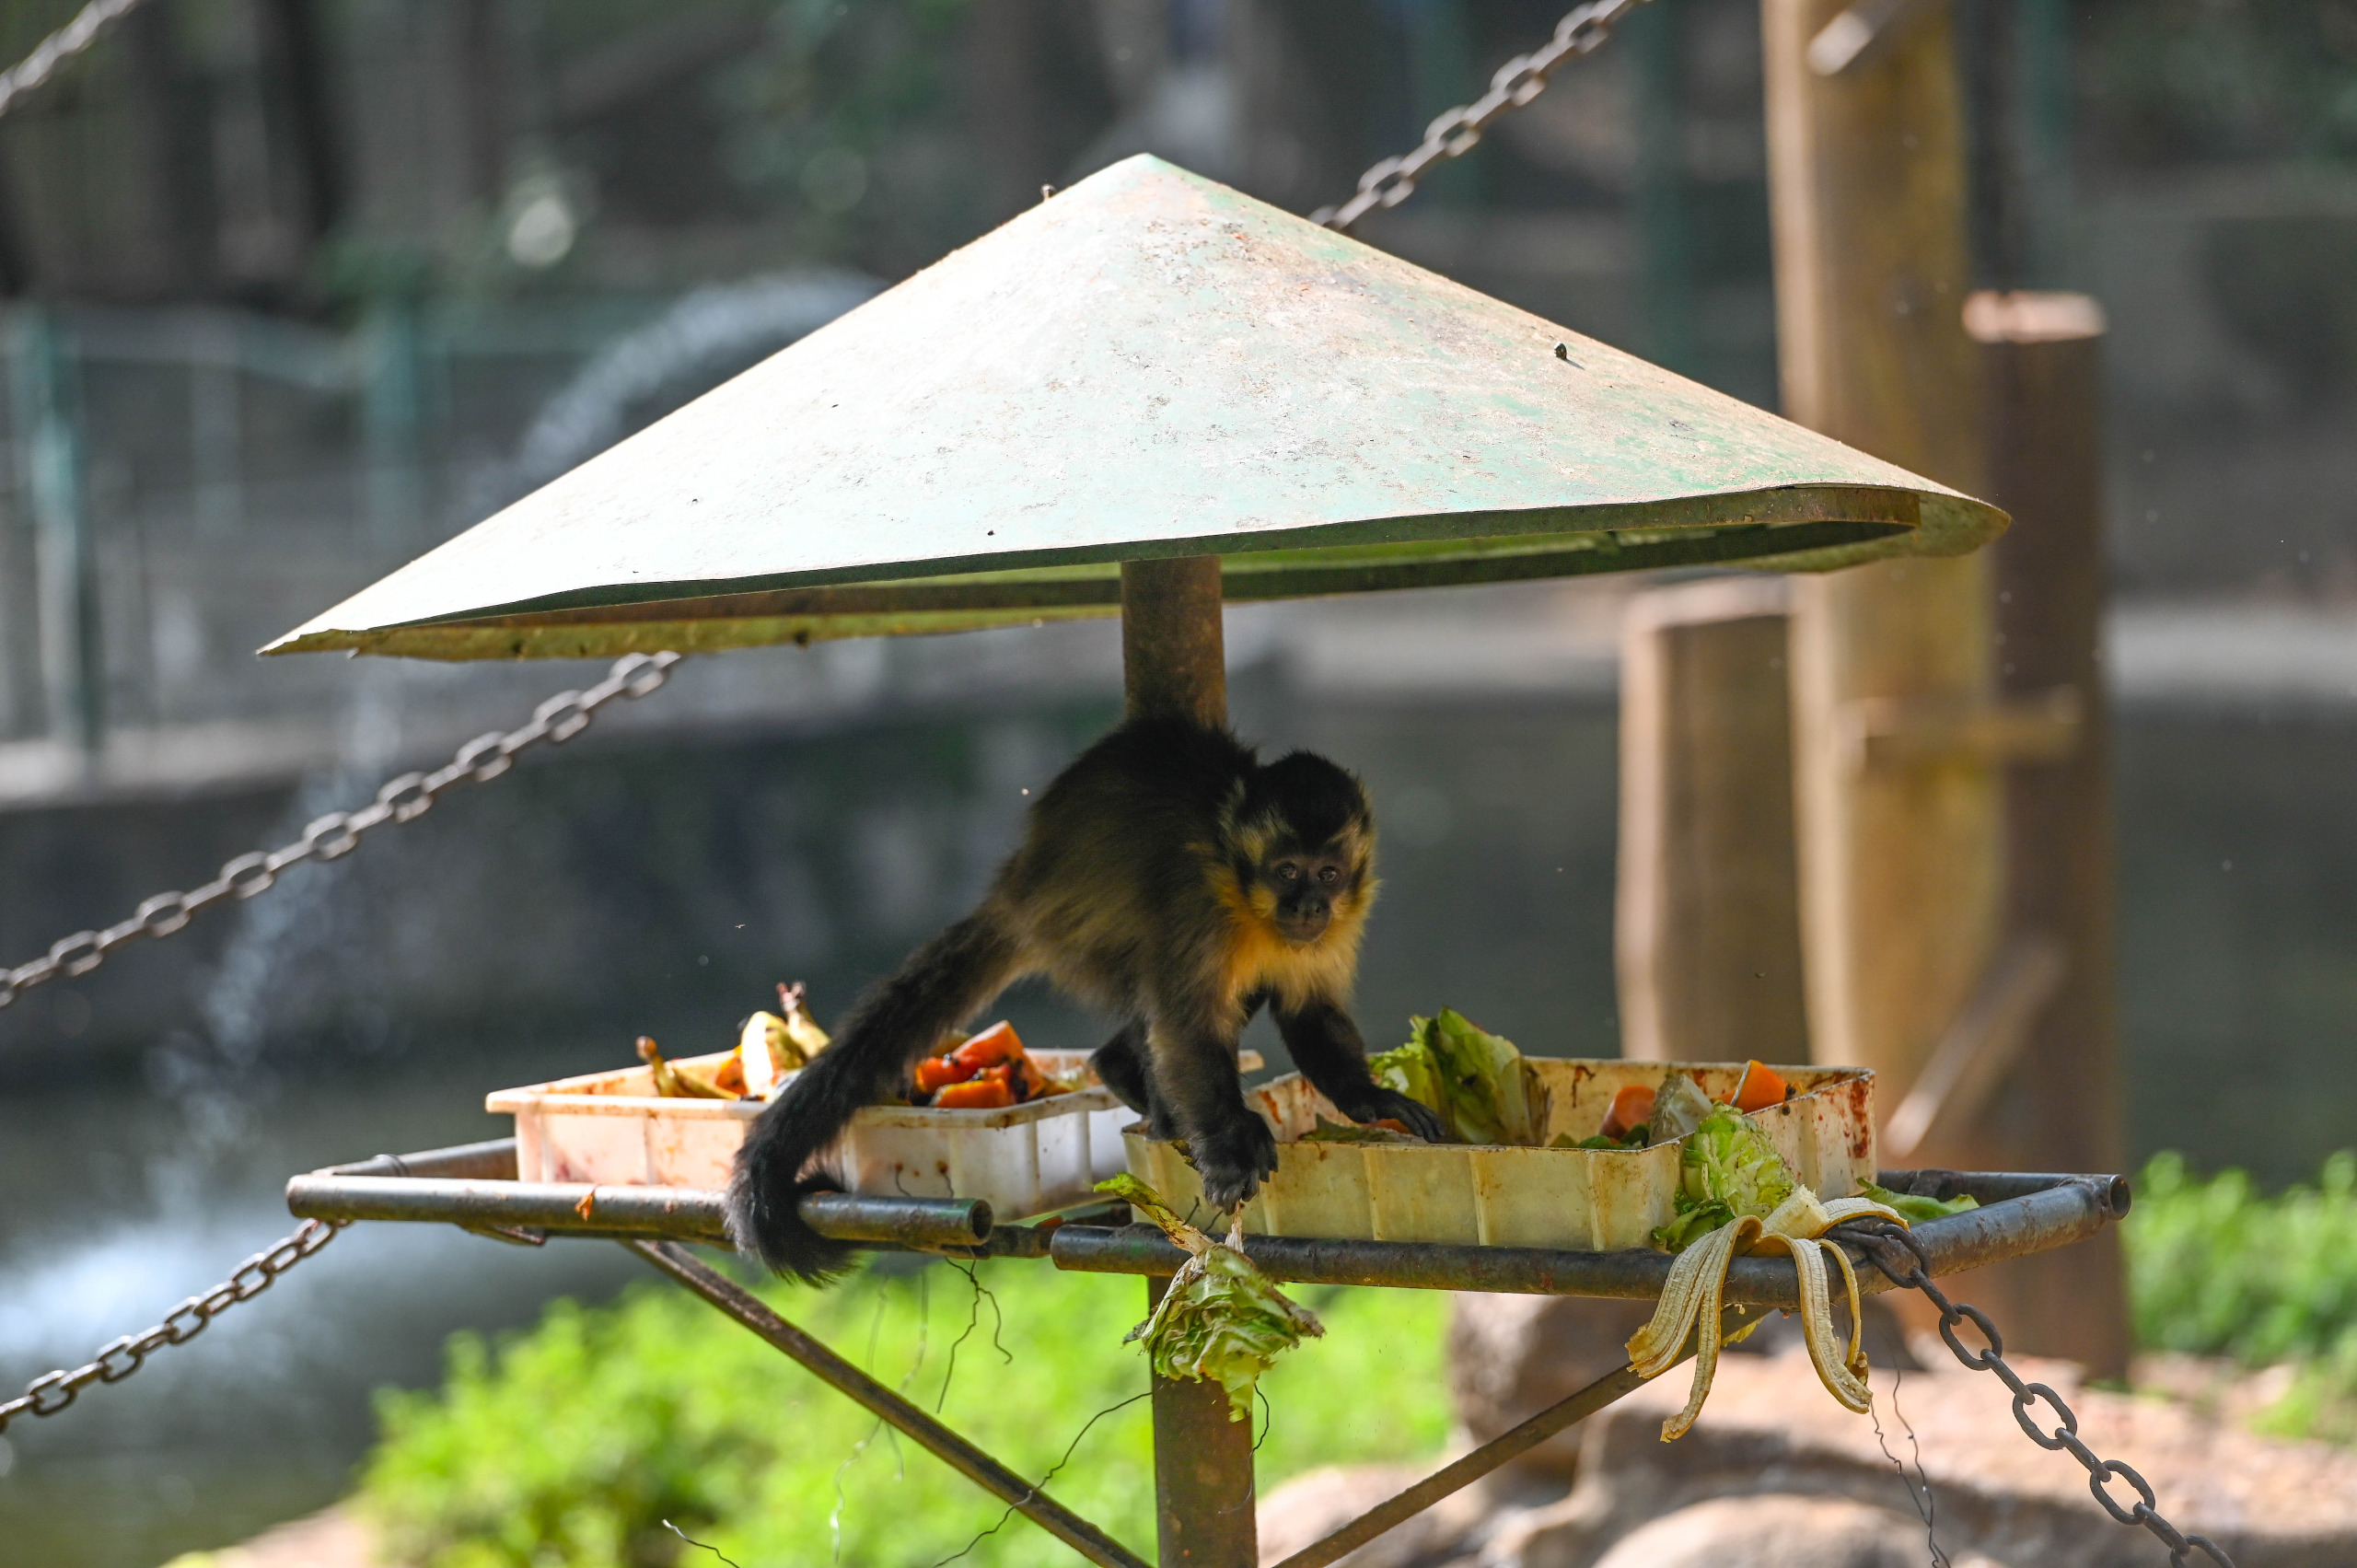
(1585, 1199)
(614, 1129)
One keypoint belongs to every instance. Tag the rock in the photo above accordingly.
(1510, 1356)
(1769, 1428)
(1775, 1532)
(333, 1537)
(1314, 1505)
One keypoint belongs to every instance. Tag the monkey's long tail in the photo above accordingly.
(899, 1022)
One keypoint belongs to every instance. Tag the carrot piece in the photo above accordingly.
(1631, 1109)
(1759, 1087)
(976, 1094)
(940, 1072)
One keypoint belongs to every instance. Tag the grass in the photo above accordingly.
(570, 1444)
(2217, 1268)
(567, 1446)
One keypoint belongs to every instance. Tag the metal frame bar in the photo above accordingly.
(1202, 1473)
(936, 1438)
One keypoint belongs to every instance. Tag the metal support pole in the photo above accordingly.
(1174, 656)
(1174, 662)
(1202, 1473)
(937, 1439)
(73, 647)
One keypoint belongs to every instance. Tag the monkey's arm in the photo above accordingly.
(1190, 1045)
(1326, 1046)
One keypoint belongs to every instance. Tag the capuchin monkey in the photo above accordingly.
(1168, 877)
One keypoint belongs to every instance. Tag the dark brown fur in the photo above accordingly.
(1169, 878)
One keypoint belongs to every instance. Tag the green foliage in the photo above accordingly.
(566, 1446)
(2217, 1268)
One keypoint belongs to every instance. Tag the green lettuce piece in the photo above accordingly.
(1350, 1132)
(1915, 1210)
(1634, 1139)
(1726, 1169)
(1479, 1083)
(1413, 1070)
(1222, 1318)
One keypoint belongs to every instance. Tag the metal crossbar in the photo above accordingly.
(474, 1187)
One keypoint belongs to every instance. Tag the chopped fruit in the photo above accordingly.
(994, 1045)
(988, 1093)
(1759, 1088)
(1631, 1109)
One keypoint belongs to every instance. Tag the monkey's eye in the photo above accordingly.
(1288, 872)
(1328, 875)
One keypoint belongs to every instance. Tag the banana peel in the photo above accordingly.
(669, 1082)
(770, 1045)
(801, 1029)
(1698, 1283)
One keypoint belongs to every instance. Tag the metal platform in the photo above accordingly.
(1202, 1475)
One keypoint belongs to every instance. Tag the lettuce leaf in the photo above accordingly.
(1727, 1169)
(1915, 1210)
(1221, 1318)
(1479, 1083)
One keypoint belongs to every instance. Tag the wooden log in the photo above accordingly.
(1707, 928)
(2059, 1108)
(1901, 860)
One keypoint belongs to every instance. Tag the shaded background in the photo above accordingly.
(302, 286)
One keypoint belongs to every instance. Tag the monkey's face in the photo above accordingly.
(1305, 889)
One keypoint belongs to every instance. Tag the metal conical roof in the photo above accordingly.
(1146, 365)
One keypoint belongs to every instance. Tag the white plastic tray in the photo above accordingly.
(612, 1129)
(1585, 1199)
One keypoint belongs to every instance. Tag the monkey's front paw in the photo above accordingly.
(1233, 1159)
(1419, 1118)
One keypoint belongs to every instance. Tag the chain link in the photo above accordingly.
(1460, 131)
(59, 47)
(403, 799)
(1893, 1250)
(117, 1359)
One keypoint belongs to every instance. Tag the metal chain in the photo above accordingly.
(1459, 132)
(117, 1359)
(1893, 1250)
(403, 799)
(61, 46)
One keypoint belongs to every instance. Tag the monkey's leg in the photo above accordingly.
(1121, 1066)
(1191, 1043)
(1328, 1049)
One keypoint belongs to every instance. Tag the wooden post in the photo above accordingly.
(1901, 852)
(1173, 661)
(2042, 380)
(1708, 923)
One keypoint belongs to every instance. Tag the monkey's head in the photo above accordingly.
(1303, 839)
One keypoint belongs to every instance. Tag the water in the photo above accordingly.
(532, 931)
